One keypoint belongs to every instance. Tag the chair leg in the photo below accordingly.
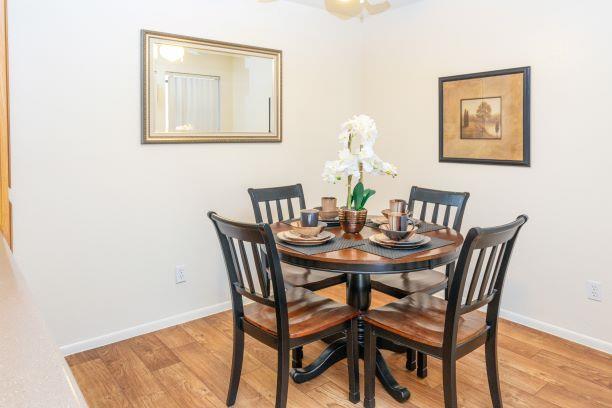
(282, 376)
(237, 356)
(370, 367)
(411, 363)
(492, 372)
(353, 362)
(449, 377)
(296, 357)
(422, 365)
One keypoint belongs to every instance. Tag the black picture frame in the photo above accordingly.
(526, 162)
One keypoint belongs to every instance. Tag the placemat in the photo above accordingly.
(335, 244)
(423, 229)
(400, 253)
(426, 227)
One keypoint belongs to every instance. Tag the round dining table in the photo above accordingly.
(359, 266)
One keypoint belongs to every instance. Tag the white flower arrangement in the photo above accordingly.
(356, 155)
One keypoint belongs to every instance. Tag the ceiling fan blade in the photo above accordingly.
(344, 9)
(378, 7)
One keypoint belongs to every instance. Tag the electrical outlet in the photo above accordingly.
(179, 272)
(594, 290)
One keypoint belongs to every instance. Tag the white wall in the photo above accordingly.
(566, 192)
(101, 220)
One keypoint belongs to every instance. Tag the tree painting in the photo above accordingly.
(481, 118)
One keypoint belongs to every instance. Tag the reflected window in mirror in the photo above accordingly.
(206, 91)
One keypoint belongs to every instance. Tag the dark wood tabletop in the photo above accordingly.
(352, 260)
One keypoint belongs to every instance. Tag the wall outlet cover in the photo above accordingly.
(179, 272)
(594, 290)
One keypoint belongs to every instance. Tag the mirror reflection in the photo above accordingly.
(206, 91)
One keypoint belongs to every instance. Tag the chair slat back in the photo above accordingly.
(276, 195)
(473, 286)
(439, 199)
(248, 249)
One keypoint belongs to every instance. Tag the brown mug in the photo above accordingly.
(397, 205)
(309, 218)
(398, 221)
(329, 204)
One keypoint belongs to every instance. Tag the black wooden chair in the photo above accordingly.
(294, 276)
(281, 317)
(426, 281)
(449, 330)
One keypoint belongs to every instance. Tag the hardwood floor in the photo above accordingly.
(188, 366)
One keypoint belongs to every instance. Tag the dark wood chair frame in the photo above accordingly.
(242, 281)
(277, 195)
(500, 240)
(437, 198)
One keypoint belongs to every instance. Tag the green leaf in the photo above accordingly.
(366, 196)
(358, 196)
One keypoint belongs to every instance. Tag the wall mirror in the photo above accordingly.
(197, 90)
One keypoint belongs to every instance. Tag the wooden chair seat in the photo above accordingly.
(309, 279)
(282, 318)
(420, 317)
(308, 313)
(401, 285)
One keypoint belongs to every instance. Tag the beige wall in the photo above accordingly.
(567, 191)
(101, 220)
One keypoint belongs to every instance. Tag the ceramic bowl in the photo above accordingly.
(398, 235)
(308, 231)
(328, 215)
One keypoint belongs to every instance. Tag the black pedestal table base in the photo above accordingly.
(358, 295)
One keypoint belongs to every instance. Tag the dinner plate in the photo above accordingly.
(410, 240)
(293, 235)
(413, 242)
(292, 238)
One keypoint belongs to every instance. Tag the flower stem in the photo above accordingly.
(349, 179)
(361, 173)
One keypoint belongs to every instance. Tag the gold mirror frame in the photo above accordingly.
(222, 137)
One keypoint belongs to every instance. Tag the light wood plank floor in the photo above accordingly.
(188, 366)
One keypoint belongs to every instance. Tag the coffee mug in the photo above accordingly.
(398, 221)
(329, 203)
(397, 205)
(309, 218)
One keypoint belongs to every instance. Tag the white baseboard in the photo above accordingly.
(143, 328)
(557, 331)
(220, 307)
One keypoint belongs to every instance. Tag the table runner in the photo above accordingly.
(335, 244)
(371, 248)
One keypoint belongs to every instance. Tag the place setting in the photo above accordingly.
(398, 205)
(400, 236)
(329, 212)
(308, 235)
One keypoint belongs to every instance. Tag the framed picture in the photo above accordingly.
(484, 117)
